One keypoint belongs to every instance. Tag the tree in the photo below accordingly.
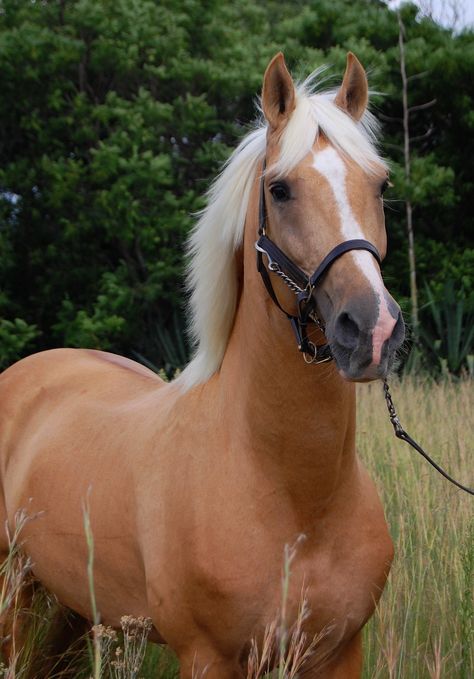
(407, 110)
(114, 117)
(109, 137)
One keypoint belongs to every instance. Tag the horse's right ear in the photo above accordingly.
(278, 93)
(353, 94)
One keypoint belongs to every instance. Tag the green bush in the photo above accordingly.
(447, 331)
(15, 338)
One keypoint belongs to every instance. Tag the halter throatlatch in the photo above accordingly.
(299, 282)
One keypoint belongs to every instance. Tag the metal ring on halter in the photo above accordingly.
(314, 360)
(307, 357)
(323, 360)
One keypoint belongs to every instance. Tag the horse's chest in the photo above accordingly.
(337, 595)
(337, 591)
(331, 590)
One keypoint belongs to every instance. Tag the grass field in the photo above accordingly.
(424, 625)
(423, 628)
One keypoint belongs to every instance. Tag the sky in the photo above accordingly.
(442, 10)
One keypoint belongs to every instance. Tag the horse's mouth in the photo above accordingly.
(359, 365)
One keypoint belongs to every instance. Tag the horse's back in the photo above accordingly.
(57, 364)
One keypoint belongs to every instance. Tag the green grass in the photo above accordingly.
(423, 628)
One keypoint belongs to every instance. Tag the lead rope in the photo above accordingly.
(400, 433)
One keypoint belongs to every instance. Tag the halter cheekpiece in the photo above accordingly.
(299, 282)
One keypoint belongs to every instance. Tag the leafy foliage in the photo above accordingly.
(15, 336)
(115, 115)
(448, 331)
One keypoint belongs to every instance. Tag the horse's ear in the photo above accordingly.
(353, 95)
(278, 93)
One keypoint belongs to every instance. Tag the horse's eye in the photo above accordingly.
(280, 192)
(385, 186)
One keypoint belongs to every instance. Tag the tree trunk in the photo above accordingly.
(408, 205)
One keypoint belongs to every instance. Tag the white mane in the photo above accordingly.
(219, 230)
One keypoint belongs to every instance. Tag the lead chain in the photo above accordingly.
(394, 419)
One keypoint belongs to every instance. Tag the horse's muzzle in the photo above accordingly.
(365, 335)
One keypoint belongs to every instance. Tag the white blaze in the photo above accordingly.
(329, 163)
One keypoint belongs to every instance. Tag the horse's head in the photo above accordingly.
(322, 194)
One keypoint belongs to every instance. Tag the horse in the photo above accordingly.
(196, 486)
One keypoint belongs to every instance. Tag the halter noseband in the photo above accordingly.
(299, 282)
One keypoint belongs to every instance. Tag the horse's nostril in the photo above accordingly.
(347, 330)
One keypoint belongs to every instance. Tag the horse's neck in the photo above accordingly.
(298, 419)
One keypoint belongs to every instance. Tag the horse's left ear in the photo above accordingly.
(278, 93)
(353, 95)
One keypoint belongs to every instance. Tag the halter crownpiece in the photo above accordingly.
(298, 281)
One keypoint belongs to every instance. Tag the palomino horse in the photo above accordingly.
(198, 485)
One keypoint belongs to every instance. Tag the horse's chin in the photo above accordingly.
(361, 379)
(352, 370)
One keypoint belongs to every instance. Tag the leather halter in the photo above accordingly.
(298, 281)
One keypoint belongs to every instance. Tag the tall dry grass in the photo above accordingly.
(423, 628)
